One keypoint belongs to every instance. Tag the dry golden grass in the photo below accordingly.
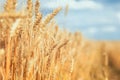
(34, 48)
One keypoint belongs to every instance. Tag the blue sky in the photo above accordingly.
(96, 19)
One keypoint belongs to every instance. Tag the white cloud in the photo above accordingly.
(118, 16)
(91, 30)
(105, 29)
(109, 29)
(84, 4)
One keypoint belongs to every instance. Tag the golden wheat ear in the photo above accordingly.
(38, 14)
(49, 17)
(10, 5)
(37, 7)
(14, 27)
(30, 8)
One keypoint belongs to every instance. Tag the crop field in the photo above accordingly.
(32, 47)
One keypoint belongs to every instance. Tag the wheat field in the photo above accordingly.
(32, 47)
